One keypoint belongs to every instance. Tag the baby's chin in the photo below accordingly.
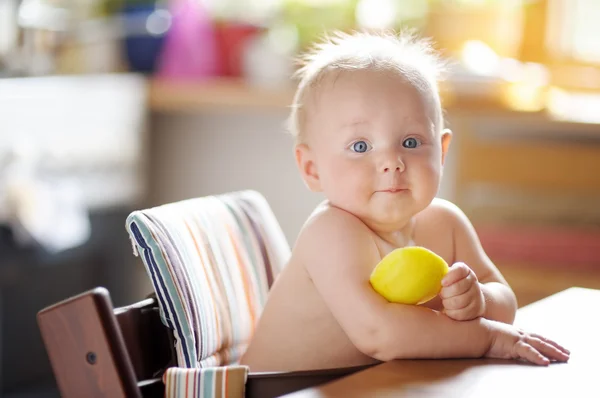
(392, 222)
(386, 221)
(395, 216)
(380, 213)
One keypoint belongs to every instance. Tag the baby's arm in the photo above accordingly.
(339, 253)
(500, 303)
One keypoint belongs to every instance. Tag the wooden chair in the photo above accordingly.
(98, 351)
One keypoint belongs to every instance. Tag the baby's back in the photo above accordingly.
(294, 319)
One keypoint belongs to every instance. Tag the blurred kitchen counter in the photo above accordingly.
(567, 101)
(224, 93)
(231, 94)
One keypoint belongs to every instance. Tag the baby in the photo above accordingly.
(369, 134)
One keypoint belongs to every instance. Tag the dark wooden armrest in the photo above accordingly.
(275, 384)
(86, 348)
(96, 350)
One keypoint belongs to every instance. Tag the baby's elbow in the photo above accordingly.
(382, 354)
(514, 307)
(508, 311)
(510, 317)
(374, 343)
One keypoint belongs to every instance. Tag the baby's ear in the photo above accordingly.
(307, 167)
(446, 137)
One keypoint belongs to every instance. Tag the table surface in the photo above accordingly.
(570, 317)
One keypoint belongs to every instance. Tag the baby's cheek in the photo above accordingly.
(427, 179)
(346, 186)
(355, 184)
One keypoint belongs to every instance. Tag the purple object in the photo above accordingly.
(189, 51)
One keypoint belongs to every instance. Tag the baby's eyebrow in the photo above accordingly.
(354, 123)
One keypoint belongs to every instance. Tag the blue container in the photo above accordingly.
(145, 28)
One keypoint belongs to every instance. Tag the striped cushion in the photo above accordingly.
(211, 261)
(217, 382)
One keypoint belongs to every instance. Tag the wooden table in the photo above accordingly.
(571, 317)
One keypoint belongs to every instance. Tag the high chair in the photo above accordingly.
(211, 261)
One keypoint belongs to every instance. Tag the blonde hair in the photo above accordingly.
(404, 53)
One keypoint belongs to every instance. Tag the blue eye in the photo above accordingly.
(360, 147)
(411, 143)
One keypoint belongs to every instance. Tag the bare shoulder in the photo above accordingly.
(443, 212)
(436, 227)
(466, 246)
(443, 207)
(333, 233)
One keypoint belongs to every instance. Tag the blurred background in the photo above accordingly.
(107, 106)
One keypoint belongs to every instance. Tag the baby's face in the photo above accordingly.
(375, 148)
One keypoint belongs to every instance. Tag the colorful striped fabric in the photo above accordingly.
(217, 382)
(211, 261)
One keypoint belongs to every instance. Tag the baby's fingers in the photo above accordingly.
(457, 272)
(548, 350)
(527, 352)
(553, 343)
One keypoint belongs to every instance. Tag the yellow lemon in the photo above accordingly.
(410, 275)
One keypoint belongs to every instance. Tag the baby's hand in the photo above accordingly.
(461, 294)
(508, 342)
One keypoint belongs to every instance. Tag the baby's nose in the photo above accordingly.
(392, 163)
(387, 169)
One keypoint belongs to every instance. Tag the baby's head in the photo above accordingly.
(368, 125)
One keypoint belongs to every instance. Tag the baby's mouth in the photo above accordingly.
(394, 190)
